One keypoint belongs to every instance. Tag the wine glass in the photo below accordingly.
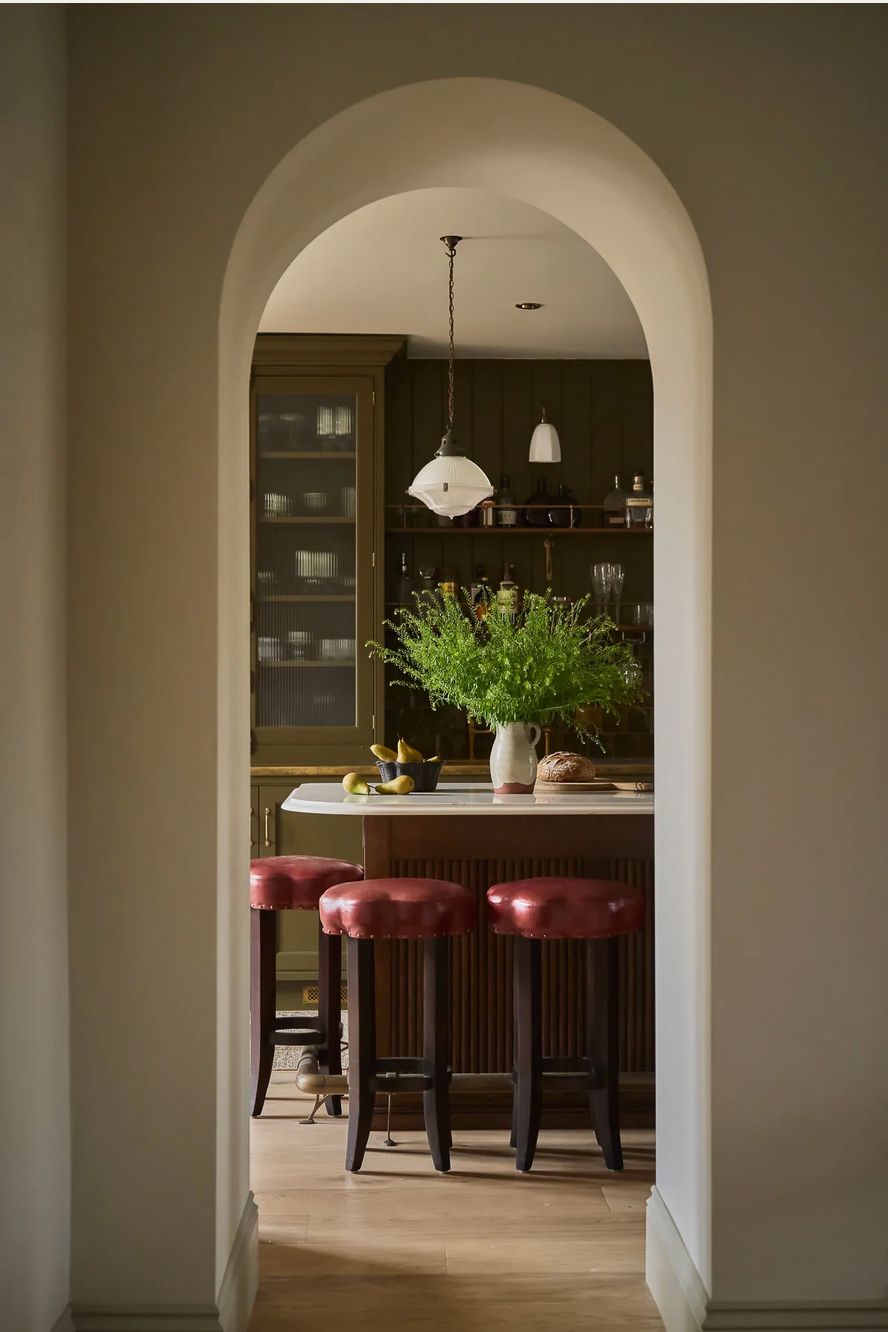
(617, 578)
(600, 585)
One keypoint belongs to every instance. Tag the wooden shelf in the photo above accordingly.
(519, 531)
(303, 663)
(289, 600)
(306, 455)
(620, 628)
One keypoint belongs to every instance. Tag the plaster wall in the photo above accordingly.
(34, 1105)
(768, 124)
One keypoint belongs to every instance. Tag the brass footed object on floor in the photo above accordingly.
(319, 1100)
(388, 1140)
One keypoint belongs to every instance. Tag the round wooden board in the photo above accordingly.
(599, 784)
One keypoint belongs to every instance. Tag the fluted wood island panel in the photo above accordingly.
(478, 843)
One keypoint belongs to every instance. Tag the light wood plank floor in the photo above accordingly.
(400, 1248)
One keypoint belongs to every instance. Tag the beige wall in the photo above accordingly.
(34, 1106)
(768, 122)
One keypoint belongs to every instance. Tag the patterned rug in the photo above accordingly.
(287, 1056)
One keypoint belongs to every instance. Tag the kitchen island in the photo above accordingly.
(467, 834)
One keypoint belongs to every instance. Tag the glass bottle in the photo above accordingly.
(565, 513)
(406, 584)
(615, 505)
(639, 504)
(480, 593)
(507, 593)
(537, 506)
(506, 513)
(448, 582)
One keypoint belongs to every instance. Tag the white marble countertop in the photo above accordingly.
(459, 798)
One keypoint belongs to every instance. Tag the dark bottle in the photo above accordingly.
(565, 513)
(537, 507)
(406, 584)
(506, 513)
(615, 505)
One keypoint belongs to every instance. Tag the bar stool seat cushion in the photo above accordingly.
(398, 909)
(295, 883)
(565, 908)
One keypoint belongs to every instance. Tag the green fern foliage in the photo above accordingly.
(546, 665)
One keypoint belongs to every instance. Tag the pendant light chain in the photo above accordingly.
(451, 484)
(451, 250)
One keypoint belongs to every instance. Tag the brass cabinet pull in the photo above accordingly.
(267, 817)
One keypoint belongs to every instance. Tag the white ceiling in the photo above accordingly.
(383, 269)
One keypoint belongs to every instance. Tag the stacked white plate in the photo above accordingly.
(317, 563)
(336, 649)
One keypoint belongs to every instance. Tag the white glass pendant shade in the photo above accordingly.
(450, 485)
(545, 446)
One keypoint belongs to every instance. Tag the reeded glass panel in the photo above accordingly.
(305, 559)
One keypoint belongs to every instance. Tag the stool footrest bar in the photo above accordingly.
(399, 1064)
(390, 1084)
(309, 1036)
(564, 1064)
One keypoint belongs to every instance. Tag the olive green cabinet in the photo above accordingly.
(317, 408)
(278, 832)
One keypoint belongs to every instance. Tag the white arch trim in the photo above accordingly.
(523, 142)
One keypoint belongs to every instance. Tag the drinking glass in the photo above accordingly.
(617, 577)
(600, 586)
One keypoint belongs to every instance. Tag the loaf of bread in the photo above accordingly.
(565, 767)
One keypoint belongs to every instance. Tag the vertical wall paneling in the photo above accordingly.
(482, 978)
(603, 411)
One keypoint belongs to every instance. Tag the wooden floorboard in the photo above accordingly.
(400, 1248)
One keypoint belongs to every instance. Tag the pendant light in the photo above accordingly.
(451, 484)
(545, 446)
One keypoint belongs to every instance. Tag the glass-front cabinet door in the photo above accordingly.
(313, 563)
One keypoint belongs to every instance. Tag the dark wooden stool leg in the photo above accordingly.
(330, 1009)
(513, 1137)
(361, 1048)
(527, 980)
(262, 1003)
(436, 1048)
(602, 1033)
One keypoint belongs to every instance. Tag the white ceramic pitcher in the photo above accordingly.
(513, 760)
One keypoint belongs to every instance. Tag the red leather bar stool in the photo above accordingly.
(429, 909)
(292, 883)
(597, 910)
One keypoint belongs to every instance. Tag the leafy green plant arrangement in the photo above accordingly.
(545, 666)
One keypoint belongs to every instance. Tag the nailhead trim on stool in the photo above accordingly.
(295, 883)
(598, 911)
(559, 907)
(398, 909)
(427, 909)
(292, 883)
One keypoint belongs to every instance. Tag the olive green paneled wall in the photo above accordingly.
(603, 411)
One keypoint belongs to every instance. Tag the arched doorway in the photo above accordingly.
(529, 144)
